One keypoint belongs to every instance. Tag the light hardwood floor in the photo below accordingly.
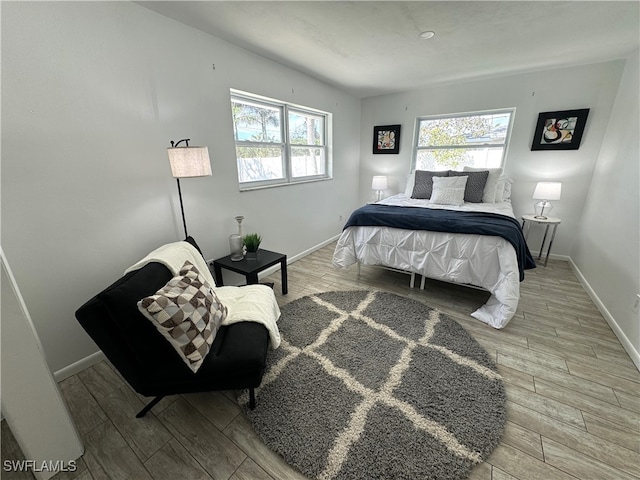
(573, 393)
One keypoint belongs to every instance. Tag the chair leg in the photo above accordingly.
(149, 406)
(252, 398)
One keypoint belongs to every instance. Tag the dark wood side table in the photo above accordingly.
(251, 268)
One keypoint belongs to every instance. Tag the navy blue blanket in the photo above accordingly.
(436, 220)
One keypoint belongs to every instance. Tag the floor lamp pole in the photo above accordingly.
(184, 222)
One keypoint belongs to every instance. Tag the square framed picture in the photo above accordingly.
(386, 139)
(560, 130)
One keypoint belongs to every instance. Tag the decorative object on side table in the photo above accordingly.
(252, 242)
(546, 191)
(560, 130)
(236, 244)
(386, 139)
(188, 162)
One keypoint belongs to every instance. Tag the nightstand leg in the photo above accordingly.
(283, 276)
(217, 272)
(553, 235)
(544, 239)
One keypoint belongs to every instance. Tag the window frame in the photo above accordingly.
(505, 146)
(285, 108)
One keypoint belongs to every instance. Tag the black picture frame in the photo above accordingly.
(561, 130)
(386, 139)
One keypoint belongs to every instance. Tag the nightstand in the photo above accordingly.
(547, 222)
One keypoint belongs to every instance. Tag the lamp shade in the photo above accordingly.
(547, 191)
(379, 182)
(189, 162)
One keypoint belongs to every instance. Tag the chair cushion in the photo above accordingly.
(187, 312)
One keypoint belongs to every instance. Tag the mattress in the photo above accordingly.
(484, 261)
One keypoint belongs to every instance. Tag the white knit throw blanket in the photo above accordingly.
(251, 303)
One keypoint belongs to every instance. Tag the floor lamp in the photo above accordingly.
(188, 162)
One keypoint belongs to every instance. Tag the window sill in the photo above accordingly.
(287, 184)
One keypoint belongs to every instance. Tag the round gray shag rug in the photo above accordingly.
(371, 385)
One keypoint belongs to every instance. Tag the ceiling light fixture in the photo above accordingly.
(427, 35)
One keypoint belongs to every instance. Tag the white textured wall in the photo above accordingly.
(589, 86)
(92, 93)
(607, 242)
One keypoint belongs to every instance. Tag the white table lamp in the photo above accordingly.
(546, 191)
(379, 184)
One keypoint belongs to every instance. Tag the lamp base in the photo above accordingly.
(541, 209)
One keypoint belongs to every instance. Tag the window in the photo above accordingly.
(449, 142)
(278, 143)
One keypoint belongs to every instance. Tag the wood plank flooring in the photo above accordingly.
(573, 394)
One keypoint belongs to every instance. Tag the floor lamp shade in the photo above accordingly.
(189, 162)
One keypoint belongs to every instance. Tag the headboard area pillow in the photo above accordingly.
(423, 185)
(476, 182)
(489, 195)
(506, 195)
(448, 191)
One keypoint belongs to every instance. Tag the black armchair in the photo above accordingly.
(149, 363)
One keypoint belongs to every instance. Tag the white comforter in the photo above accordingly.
(488, 262)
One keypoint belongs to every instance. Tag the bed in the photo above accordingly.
(477, 244)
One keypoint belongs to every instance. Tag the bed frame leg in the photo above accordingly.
(412, 283)
(422, 282)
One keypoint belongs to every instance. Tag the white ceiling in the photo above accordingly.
(371, 48)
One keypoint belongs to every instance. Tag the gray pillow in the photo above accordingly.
(423, 186)
(475, 184)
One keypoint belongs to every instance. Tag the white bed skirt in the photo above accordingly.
(484, 261)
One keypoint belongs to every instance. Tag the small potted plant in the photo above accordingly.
(252, 243)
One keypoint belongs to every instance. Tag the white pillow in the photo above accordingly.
(490, 187)
(506, 196)
(411, 180)
(500, 189)
(448, 190)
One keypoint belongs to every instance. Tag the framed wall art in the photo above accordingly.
(386, 139)
(560, 130)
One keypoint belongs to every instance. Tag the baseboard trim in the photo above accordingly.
(78, 366)
(624, 340)
(552, 256)
(297, 257)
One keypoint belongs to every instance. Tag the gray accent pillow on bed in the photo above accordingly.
(492, 182)
(474, 190)
(423, 186)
